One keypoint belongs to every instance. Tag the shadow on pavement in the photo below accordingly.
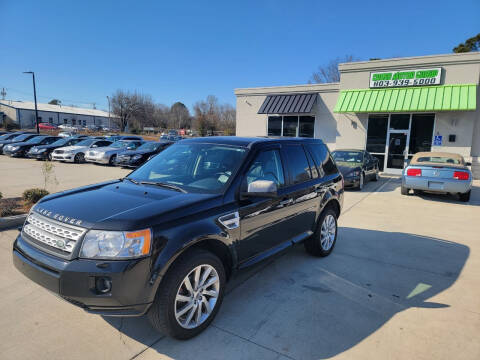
(453, 198)
(305, 307)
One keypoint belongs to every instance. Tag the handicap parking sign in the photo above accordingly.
(437, 141)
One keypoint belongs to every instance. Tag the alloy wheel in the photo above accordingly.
(327, 232)
(197, 296)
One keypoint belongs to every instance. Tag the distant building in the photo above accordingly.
(23, 114)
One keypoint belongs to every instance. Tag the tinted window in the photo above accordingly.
(297, 164)
(267, 166)
(274, 126)
(321, 156)
(313, 166)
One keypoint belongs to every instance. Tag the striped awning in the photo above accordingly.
(428, 98)
(288, 104)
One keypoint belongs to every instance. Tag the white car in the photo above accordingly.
(76, 153)
(107, 154)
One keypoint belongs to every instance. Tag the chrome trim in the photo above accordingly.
(53, 233)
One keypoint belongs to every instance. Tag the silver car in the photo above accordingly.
(107, 154)
(438, 172)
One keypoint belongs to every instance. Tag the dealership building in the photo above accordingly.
(22, 113)
(393, 108)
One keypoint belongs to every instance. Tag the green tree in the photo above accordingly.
(55, 102)
(472, 44)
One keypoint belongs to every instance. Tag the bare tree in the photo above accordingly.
(210, 116)
(180, 116)
(329, 73)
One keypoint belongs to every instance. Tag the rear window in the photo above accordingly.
(439, 160)
(322, 158)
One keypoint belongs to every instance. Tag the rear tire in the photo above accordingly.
(323, 240)
(465, 197)
(404, 190)
(163, 313)
(111, 162)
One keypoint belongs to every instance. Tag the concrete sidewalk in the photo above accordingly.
(402, 283)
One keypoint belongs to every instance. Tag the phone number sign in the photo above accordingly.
(417, 77)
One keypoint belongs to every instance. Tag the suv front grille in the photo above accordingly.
(53, 233)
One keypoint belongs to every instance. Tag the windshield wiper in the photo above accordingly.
(165, 185)
(131, 180)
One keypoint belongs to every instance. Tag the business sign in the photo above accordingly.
(417, 77)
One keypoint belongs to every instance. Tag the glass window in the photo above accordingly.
(377, 133)
(65, 121)
(399, 121)
(196, 167)
(297, 164)
(290, 124)
(274, 126)
(421, 133)
(348, 156)
(307, 125)
(322, 158)
(313, 166)
(267, 166)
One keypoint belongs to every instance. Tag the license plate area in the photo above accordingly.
(435, 185)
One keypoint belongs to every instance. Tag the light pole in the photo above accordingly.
(109, 124)
(35, 98)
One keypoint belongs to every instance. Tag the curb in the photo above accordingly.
(12, 221)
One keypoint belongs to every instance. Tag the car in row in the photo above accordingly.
(356, 166)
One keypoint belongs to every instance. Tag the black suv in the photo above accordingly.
(165, 239)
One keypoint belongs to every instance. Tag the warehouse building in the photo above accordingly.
(23, 114)
(393, 108)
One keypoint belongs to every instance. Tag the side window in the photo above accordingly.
(313, 166)
(322, 158)
(267, 166)
(297, 164)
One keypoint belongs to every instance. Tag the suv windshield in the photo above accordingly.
(348, 156)
(193, 167)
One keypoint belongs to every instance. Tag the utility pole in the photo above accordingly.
(35, 98)
(109, 124)
(3, 93)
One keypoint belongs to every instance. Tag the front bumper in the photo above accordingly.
(97, 159)
(40, 156)
(128, 163)
(351, 182)
(14, 153)
(434, 184)
(63, 157)
(131, 292)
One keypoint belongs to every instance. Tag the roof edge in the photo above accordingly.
(304, 88)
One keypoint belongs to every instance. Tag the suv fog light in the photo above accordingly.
(103, 285)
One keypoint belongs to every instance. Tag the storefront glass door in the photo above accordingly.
(396, 151)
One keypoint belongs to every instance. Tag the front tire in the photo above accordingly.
(190, 295)
(404, 190)
(111, 162)
(376, 176)
(323, 240)
(79, 158)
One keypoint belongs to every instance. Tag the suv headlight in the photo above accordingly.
(99, 244)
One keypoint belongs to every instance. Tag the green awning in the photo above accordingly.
(428, 98)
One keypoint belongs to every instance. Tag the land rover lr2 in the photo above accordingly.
(164, 240)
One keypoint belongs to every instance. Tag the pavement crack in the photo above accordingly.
(147, 347)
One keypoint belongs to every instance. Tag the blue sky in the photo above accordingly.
(82, 51)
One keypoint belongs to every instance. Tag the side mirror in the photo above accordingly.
(261, 188)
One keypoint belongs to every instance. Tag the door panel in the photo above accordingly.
(396, 150)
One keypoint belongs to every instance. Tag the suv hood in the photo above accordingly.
(121, 205)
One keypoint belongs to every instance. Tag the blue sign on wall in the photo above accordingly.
(437, 140)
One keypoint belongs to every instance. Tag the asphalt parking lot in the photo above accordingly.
(402, 283)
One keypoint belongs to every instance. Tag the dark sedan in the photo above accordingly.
(356, 166)
(135, 158)
(16, 138)
(20, 149)
(42, 152)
